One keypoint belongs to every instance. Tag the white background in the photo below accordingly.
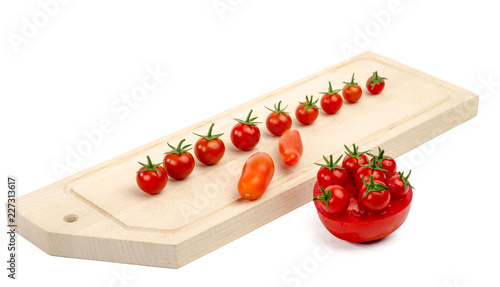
(69, 71)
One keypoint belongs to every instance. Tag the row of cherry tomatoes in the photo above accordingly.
(245, 135)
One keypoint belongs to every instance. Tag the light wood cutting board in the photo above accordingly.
(101, 214)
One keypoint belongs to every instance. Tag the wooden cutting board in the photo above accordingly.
(101, 214)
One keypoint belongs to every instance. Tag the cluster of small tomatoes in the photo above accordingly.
(258, 170)
(352, 196)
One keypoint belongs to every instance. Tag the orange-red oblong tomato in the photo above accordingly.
(290, 146)
(256, 175)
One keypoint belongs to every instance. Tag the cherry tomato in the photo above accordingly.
(307, 112)
(290, 147)
(178, 162)
(245, 135)
(366, 171)
(353, 159)
(335, 199)
(256, 175)
(387, 162)
(209, 149)
(331, 101)
(278, 121)
(352, 91)
(374, 196)
(151, 178)
(331, 174)
(375, 84)
(358, 225)
(399, 185)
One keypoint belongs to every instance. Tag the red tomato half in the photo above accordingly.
(358, 225)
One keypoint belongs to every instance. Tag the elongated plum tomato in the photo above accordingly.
(278, 121)
(331, 101)
(245, 135)
(179, 163)
(151, 178)
(359, 225)
(209, 149)
(256, 175)
(290, 147)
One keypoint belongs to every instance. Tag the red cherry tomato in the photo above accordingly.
(178, 162)
(151, 178)
(358, 225)
(209, 149)
(366, 171)
(335, 199)
(290, 147)
(375, 84)
(245, 135)
(278, 121)
(256, 175)
(331, 173)
(352, 91)
(353, 159)
(399, 185)
(374, 196)
(387, 162)
(331, 101)
(307, 112)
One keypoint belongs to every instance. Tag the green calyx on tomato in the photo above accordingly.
(330, 90)
(249, 121)
(179, 149)
(380, 157)
(355, 151)
(327, 195)
(375, 79)
(330, 164)
(372, 186)
(309, 103)
(151, 166)
(277, 109)
(350, 84)
(374, 165)
(209, 136)
(405, 179)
